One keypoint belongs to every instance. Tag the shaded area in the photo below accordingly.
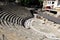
(51, 18)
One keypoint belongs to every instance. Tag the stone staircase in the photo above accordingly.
(11, 29)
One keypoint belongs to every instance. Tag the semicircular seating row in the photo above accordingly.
(8, 18)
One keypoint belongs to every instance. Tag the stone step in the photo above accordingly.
(8, 25)
(3, 15)
(2, 22)
(9, 20)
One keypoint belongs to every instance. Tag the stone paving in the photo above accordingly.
(45, 27)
